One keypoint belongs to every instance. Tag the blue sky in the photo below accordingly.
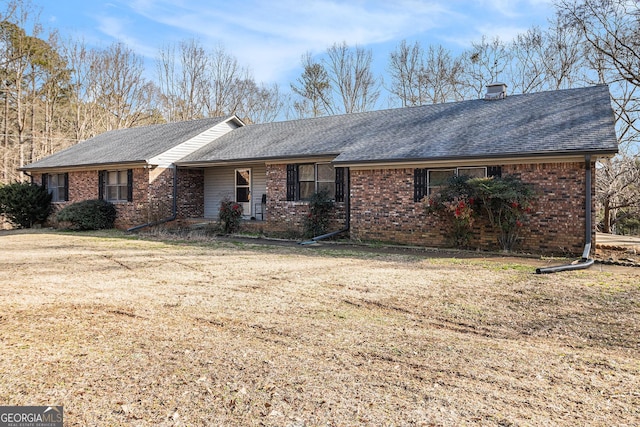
(270, 36)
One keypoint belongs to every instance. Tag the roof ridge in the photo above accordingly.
(432, 105)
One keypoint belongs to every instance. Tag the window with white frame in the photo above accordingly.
(306, 181)
(429, 181)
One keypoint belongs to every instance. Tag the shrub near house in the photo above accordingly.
(317, 221)
(503, 202)
(24, 204)
(230, 216)
(88, 215)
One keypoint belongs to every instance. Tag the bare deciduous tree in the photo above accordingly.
(406, 65)
(563, 56)
(32, 78)
(352, 79)
(260, 103)
(611, 27)
(440, 79)
(430, 77)
(617, 189)
(484, 63)
(195, 83)
(314, 88)
(225, 89)
(526, 73)
(119, 88)
(610, 30)
(82, 115)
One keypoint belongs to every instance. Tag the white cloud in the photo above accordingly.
(271, 37)
(506, 33)
(118, 30)
(514, 9)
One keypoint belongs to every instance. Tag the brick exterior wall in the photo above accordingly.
(284, 216)
(83, 185)
(190, 193)
(152, 194)
(557, 224)
(382, 209)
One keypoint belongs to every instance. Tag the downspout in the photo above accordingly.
(585, 261)
(347, 214)
(174, 206)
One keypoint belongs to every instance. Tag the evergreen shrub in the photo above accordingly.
(24, 204)
(88, 215)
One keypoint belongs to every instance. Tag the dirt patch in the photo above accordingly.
(617, 255)
(124, 331)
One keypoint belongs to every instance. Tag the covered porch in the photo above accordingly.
(243, 183)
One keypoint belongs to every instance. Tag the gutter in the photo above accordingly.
(585, 261)
(266, 160)
(475, 158)
(174, 207)
(347, 213)
(84, 167)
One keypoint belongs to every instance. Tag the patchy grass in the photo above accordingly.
(123, 331)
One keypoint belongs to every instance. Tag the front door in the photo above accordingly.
(243, 190)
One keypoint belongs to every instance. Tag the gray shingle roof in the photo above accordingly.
(546, 123)
(137, 144)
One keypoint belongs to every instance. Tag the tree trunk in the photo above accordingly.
(606, 220)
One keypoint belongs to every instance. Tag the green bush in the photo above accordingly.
(230, 216)
(505, 202)
(317, 221)
(25, 204)
(88, 215)
(454, 205)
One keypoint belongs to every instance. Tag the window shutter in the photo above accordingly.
(45, 180)
(494, 171)
(101, 177)
(129, 185)
(340, 187)
(65, 196)
(419, 184)
(292, 181)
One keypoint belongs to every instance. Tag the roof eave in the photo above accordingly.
(236, 119)
(484, 158)
(267, 159)
(88, 166)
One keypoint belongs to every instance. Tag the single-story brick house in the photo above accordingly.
(377, 165)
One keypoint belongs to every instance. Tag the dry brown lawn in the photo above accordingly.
(125, 331)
